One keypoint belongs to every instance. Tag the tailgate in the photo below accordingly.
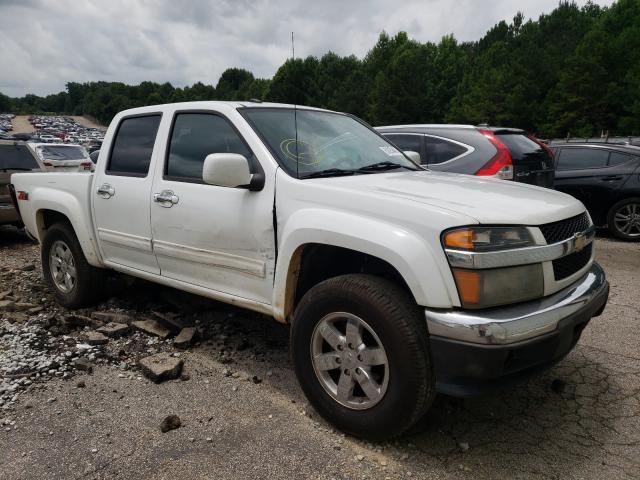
(532, 163)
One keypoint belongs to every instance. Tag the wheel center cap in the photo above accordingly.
(349, 360)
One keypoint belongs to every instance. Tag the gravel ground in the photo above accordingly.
(243, 415)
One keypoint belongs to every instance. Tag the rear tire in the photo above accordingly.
(73, 282)
(386, 315)
(623, 219)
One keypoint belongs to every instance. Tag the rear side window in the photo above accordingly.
(16, 158)
(133, 146)
(196, 135)
(520, 145)
(440, 150)
(618, 158)
(407, 142)
(579, 158)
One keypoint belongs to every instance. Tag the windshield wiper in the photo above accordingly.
(22, 169)
(329, 172)
(380, 166)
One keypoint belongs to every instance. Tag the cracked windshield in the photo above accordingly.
(325, 144)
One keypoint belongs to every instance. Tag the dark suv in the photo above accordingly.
(506, 153)
(14, 157)
(606, 178)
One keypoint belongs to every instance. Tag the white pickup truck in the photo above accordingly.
(398, 282)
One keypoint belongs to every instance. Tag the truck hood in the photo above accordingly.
(487, 200)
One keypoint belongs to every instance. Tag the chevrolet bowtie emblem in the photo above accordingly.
(579, 241)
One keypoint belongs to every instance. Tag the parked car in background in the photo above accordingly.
(606, 178)
(62, 156)
(14, 157)
(506, 153)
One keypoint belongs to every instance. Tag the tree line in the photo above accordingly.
(575, 70)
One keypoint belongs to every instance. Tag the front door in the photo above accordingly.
(122, 195)
(214, 237)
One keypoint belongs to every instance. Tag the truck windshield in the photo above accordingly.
(59, 152)
(311, 143)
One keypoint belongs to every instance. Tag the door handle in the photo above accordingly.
(166, 198)
(611, 178)
(106, 191)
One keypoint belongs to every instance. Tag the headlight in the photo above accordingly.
(489, 287)
(485, 239)
(499, 286)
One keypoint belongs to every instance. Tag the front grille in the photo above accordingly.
(566, 266)
(558, 231)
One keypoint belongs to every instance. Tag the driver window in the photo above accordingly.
(196, 135)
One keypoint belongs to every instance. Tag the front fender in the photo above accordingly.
(78, 215)
(407, 252)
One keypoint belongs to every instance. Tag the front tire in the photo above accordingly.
(73, 282)
(360, 351)
(623, 219)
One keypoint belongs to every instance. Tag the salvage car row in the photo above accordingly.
(54, 129)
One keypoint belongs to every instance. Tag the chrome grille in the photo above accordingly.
(558, 231)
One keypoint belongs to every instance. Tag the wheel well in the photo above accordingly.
(314, 263)
(48, 218)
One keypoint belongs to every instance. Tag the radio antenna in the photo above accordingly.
(293, 48)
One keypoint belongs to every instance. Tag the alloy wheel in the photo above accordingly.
(349, 360)
(627, 219)
(62, 266)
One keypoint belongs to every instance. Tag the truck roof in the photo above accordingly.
(213, 104)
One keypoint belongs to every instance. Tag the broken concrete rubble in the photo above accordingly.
(161, 366)
(113, 329)
(111, 317)
(185, 338)
(152, 328)
(96, 338)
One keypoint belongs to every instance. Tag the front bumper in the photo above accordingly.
(476, 351)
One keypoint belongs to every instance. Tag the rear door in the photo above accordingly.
(122, 194)
(532, 163)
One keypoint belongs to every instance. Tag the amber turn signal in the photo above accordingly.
(469, 284)
(459, 239)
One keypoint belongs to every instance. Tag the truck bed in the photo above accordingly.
(68, 193)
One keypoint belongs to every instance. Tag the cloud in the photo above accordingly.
(46, 43)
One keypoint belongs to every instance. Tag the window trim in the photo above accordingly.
(113, 142)
(165, 166)
(562, 149)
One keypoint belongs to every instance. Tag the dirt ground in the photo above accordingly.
(86, 122)
(235, 426)
(21, 124)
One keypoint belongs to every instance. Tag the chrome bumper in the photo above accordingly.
(523, 321)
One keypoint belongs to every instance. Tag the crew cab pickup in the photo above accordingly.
(398, 282)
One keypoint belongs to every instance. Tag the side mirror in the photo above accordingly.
(226, 170)
(413, 156)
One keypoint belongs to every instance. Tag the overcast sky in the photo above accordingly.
(46, 43)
